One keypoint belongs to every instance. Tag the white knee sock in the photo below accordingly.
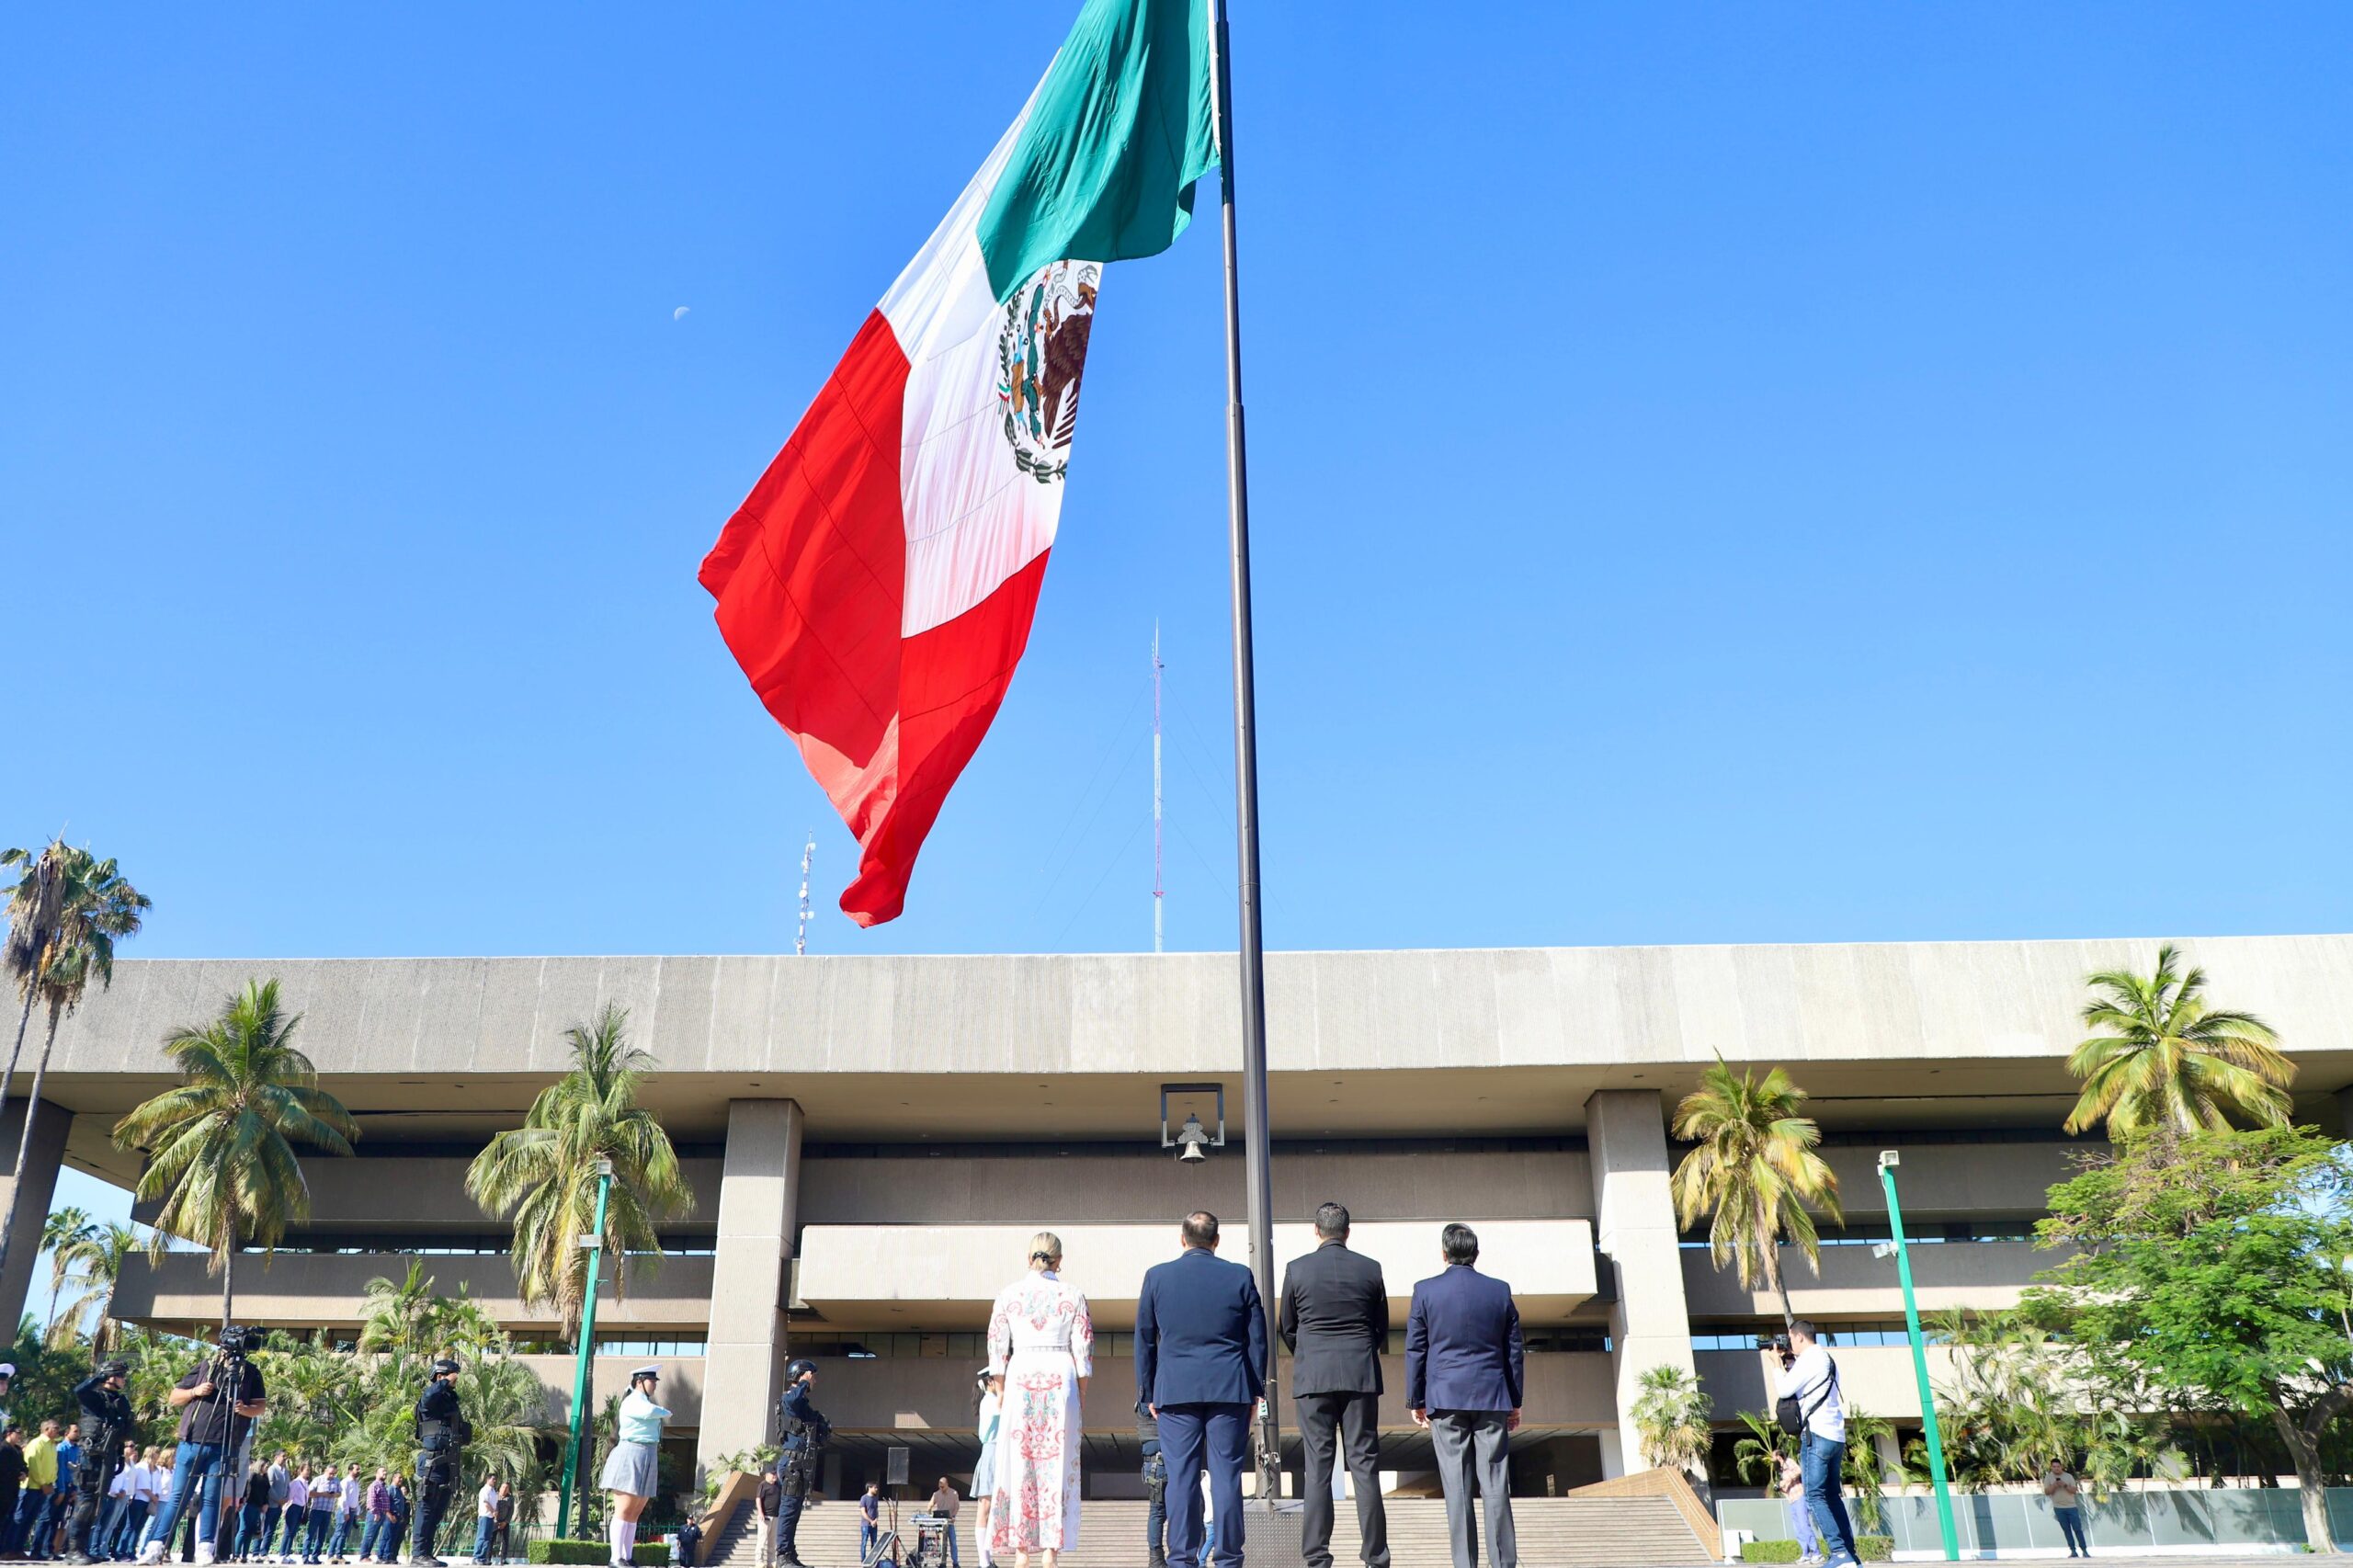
(620, 1532)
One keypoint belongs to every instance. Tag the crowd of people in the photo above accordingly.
(89, 1492)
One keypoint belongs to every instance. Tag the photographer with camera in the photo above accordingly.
(219, 1401)
(442, 1430)
(1808, 1404)
(805, 1433)
(106, 1422)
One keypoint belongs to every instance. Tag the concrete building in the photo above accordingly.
(870, 1141)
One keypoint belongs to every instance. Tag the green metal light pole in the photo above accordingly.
(1888, 1161)
(595, 1243)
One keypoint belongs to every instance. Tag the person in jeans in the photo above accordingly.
(869, 1521)
(298, 1512)
(485, 1517)
(380, 1520)
(1810, 1378)
(1799, 1512)
(253, 1536)
(2066, 1505)
(350, 1514)
(325, 1493)
(213, 1420)
(33, 1503)
(401, 1505)
(12, 1482)
(502, 1543)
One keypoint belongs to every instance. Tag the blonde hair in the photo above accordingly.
(1048, 1246)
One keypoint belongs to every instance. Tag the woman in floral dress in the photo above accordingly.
(1042, 1343)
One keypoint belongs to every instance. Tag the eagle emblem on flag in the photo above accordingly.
(1041, 353)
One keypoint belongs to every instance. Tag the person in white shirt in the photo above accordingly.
(1809, 1379)
(118, 1494)
(350, 1514)
(485, 1517)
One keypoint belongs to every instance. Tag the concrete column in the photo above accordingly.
(1634, 1227)
(751, 1268)
(50, 1123)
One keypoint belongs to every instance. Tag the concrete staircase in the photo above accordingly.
(1554, 1532)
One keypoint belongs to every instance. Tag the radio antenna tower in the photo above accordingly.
(1158, 894)
(808, 855)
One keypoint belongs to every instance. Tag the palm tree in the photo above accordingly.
(1752, 1167)
(65, 913)
(66, 1236)
(545, 1172)
(2166, 1061)
(1672, 1416)
(219, 1148)
(94, 1279)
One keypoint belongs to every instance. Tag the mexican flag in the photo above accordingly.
(877, 585)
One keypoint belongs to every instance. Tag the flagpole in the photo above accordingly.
(1258, 1178)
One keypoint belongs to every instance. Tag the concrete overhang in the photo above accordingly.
(1366, 1044)
(948, 1277)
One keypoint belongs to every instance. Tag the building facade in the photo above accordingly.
(870, 1141)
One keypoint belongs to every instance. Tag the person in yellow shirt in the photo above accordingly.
(40, 1479)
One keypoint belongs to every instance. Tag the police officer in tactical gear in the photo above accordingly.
(805, 1433)
(106, 1422)
(441, 1430)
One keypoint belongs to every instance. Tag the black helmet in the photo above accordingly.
(444, 1365)
(114, 1369)
(797, 1370)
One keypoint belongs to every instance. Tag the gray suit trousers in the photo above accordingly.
(1474, 1452)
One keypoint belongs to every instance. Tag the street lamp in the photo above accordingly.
(1888, 1160)
(594, 1244)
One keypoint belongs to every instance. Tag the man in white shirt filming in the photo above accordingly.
(1809, 1379)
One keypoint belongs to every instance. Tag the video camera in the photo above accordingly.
(238, 1340)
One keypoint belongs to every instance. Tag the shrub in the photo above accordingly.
(593, 1554)
(1769, 1551)
(1875, 1548)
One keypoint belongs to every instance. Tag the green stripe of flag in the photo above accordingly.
(1104, 165)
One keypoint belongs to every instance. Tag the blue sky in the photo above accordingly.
(1722, 473)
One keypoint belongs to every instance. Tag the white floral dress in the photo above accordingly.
(1042, 1342)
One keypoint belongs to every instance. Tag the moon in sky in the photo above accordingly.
(678, 315)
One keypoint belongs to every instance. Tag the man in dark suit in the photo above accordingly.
(1464, 1377)
(1335, 1323)
(1201, 1367)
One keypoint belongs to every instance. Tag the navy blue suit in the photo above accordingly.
(1464, 1366)
(1463, 1350)
(1201, 1361)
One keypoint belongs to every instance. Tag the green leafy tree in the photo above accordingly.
(1757, 1458)
(1671, 1414)
(219, 1148)
(2213, 1264)
(2168, 1063)
(65, 913)
(92, 1286)
(354, 1403)
(545, 1173)
(1863, 1469)
(66, 1236)
(1752, 1168)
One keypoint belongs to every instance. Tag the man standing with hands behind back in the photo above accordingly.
(1464, 1371)
(1335, 1323)
(1201, 1367)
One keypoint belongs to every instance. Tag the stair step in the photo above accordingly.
(1554, 1532)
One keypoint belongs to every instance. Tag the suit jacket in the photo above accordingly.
(1200, 1333)
(1335, 1321)
(1463, 1343)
